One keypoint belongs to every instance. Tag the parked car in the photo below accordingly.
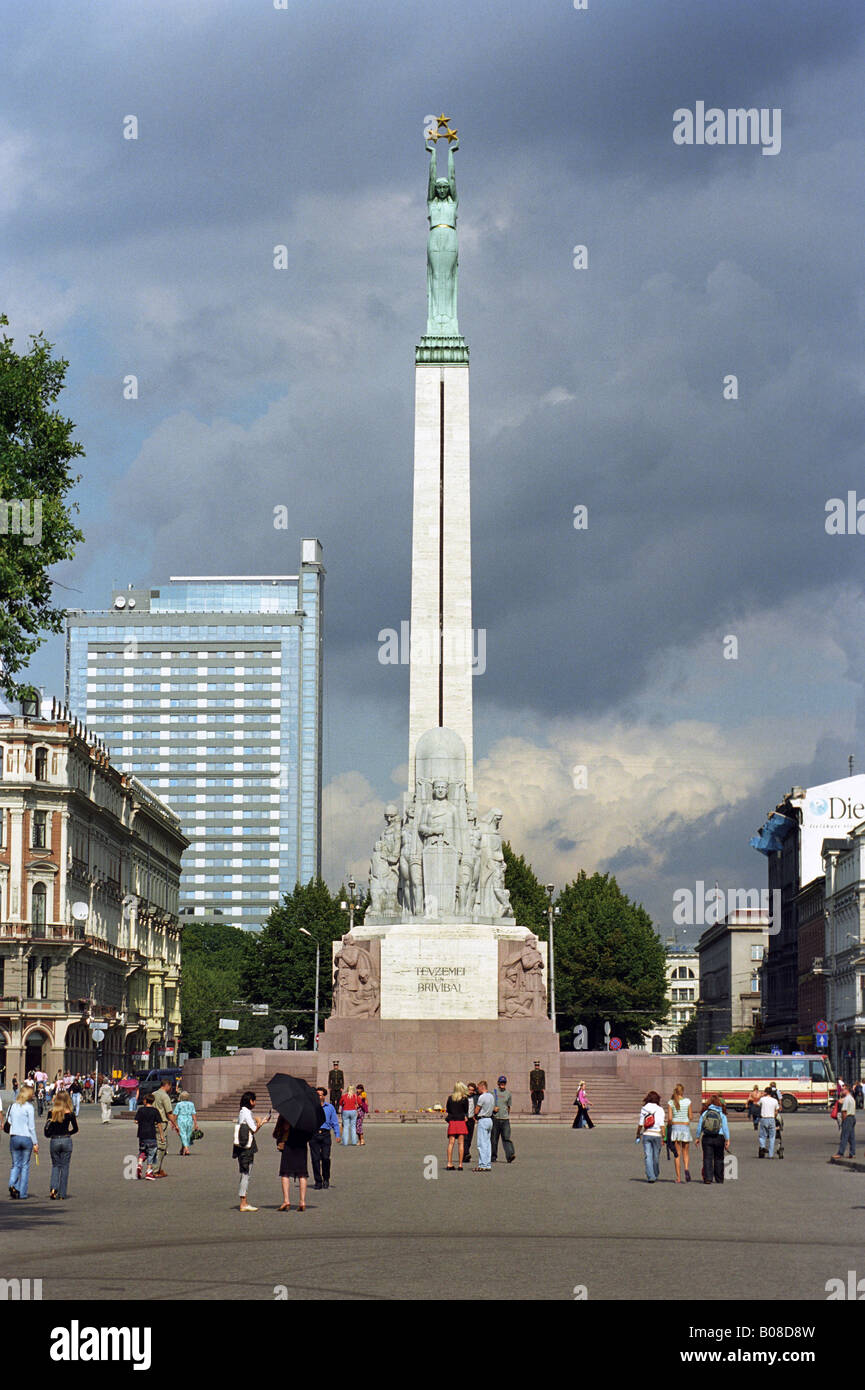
(153, 1079)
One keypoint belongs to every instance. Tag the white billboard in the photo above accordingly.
(829, 812)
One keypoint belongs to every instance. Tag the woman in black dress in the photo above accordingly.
(292, 1144)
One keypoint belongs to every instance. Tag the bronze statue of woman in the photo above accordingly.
(442, 256)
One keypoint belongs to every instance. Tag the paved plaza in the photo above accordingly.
(573, 1210)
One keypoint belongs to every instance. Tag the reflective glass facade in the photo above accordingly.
(209, 690)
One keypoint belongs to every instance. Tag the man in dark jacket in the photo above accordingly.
(537, 1087)
(335, 1084)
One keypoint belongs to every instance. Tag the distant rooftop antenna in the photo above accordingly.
(850, 765)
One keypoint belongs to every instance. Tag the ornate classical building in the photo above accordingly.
(683, 991)
(89, 927)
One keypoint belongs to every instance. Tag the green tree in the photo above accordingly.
(213, 957)
(610, 963)
(737, 1043)
(36, 448)
(686, 1042)
(281, 969)
(528, 896)
(206, 995)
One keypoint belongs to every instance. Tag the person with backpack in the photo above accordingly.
(650, 1126)
(714, 1132)
(754, 1105)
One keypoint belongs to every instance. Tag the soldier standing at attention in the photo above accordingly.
(537, 1087)
(335, 1083)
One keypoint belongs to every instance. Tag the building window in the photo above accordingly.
(40, 829)
(756, 952)
(31, 977)
(755, 984)
(41, 764)
(39, 905)
(43, 984)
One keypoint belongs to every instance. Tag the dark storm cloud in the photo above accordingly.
(600, 387)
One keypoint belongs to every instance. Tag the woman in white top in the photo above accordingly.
(649, 1128)
(245, 1147)
(22, 1139)
(679, 1120)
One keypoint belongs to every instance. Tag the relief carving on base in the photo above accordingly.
(522, 993)
(357, 979)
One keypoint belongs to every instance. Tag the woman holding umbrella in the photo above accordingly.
(300, 1116)
(292, 1144)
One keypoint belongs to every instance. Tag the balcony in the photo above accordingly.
(37, 931)
(41, 1008)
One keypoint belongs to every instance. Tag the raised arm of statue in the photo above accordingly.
(452, 176)
(432, 172)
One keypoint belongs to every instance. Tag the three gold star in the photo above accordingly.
(443, 119)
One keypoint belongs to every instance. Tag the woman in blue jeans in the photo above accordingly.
(348, 1109)
(650, 1126)
(22, 1139)
(59, 1128)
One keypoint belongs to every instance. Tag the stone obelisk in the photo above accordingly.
(440, 675)
(440, 980)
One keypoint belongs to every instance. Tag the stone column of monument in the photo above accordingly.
(440, 677)
(451, 986)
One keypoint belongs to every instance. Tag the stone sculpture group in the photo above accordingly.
(440, 862)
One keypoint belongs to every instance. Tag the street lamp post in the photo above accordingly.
(351, 904)
(304, 932)
(551, 914)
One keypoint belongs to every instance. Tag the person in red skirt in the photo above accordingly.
(456, 1113)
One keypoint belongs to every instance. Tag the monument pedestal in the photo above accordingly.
(412, 1064)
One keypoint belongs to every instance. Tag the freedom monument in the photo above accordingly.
(440, 981)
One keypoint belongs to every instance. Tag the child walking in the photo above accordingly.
(149, 1135)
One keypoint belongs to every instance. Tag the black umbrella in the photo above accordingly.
(296, 1102)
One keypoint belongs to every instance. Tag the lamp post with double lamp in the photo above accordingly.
(304, 932)
(552, 913)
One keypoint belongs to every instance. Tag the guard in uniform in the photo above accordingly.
(335, 1084)
(537, 1086)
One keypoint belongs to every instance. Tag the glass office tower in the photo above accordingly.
(209, 690)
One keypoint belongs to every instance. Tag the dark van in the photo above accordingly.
(152, 1080)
